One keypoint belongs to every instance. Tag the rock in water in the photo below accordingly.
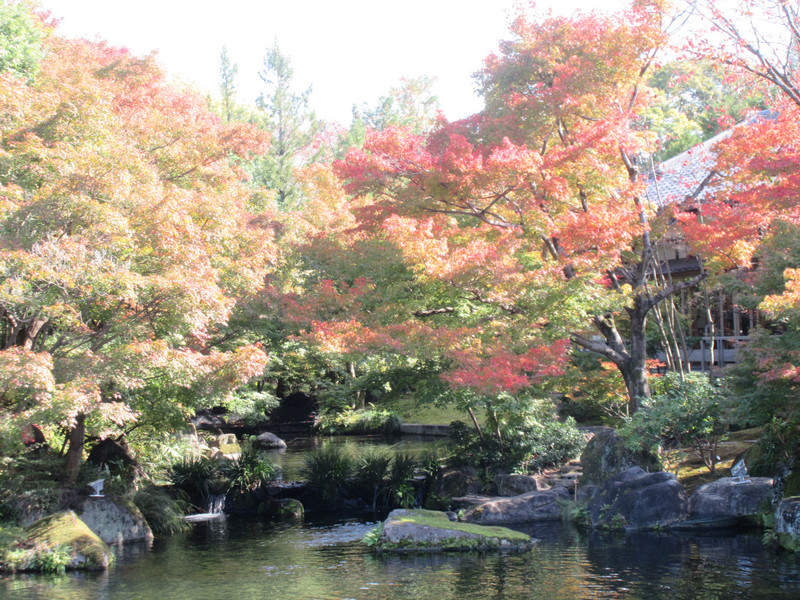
(727, 498)
(269, 441)
(634, 499)
(432, 531)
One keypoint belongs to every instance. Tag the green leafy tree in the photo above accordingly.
(697, 100)
(411, 105)
(21, 37)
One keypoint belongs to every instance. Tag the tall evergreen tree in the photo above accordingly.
(227, 84)
(294, 128)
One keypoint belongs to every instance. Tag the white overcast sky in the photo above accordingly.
(349, 51)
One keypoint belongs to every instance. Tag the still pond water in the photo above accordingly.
(322, 559)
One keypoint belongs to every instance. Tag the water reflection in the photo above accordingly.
(235, 558)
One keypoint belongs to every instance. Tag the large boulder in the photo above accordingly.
(525, 508)
(635, 499)
(606, 455)
(114, 520)
(514, 485)
(787, 523)
(269, 441)
(727, 498)
(64, 531)
(457, 481)
(433, 531)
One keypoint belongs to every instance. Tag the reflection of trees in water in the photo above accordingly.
(681, 566)
(237, 558)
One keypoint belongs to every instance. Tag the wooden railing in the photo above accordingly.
(722, 356)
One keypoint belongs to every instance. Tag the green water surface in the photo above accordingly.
(232, 559)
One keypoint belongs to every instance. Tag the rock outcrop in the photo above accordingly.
(787, 523)
(524, 508)
(606, 455)
(457, 481)
(114, 521)
(635, 499)
(514, 485)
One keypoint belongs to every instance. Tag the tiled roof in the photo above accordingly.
(679, 178)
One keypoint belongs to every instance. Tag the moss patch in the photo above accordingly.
(693, 473)
(58, 542)
(433, 518)
(432, 531)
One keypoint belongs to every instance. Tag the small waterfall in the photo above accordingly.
(215, 505)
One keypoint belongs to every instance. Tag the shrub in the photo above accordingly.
(42, 558)
(251, 406)
(527, 447)
(682, 413)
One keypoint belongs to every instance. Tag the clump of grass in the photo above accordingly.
(328, 469)
(197, 477)
(372, 468)
(162, 511)
(401, 488)
(249, 472)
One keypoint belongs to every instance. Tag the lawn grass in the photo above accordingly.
(410, 411)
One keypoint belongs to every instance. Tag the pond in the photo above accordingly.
(322, 559)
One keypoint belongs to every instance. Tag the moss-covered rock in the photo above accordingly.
(58, 542)
(433, 531)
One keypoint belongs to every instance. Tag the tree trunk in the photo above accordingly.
(635, 371)
(76, 437)
(475, 422)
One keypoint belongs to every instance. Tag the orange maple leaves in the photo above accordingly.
(127, 237)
